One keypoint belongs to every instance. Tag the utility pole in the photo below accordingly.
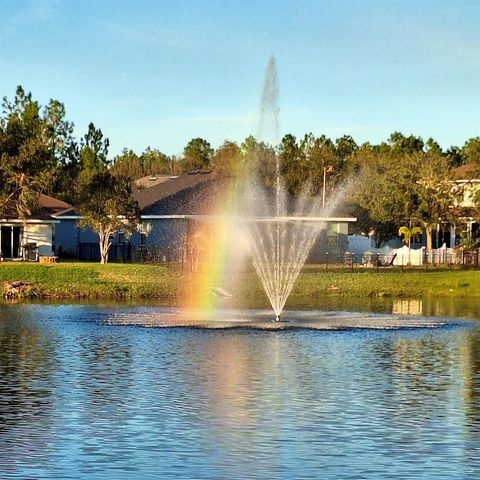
(326, 170)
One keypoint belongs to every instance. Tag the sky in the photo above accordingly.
(159, 73)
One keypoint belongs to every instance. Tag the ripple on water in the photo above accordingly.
(263, 320)
(81, 398)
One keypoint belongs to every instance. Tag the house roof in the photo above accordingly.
(151, 180)
(46, 207)
(185, 194)
(188, 194)
(469, 171)
(198, 193)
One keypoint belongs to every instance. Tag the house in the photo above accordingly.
(32, 237)
(466, 226)
(168, 206)
(172, 209)
(465, 229)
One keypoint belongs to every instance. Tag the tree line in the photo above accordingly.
(402, 181)
(39, 154)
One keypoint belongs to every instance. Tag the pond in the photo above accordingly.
(83, 397)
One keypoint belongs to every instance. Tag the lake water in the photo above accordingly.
(81, 397)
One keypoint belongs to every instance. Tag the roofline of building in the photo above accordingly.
(466, 180)
(285, 218)
(210, 218)
(28, 220)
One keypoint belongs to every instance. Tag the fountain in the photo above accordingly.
(257, 217)
(281, 230)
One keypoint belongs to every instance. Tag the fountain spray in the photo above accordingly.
(279, 246)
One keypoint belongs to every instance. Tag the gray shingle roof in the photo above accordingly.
(187, 194)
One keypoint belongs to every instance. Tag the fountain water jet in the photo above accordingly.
(279, 230)
(257, 217)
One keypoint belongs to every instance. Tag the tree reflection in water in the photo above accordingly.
(84, 399)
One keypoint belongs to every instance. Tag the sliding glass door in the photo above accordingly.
(10, 241)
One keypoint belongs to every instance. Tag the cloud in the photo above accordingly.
(215, 119)
(36, 11)
(147, 35)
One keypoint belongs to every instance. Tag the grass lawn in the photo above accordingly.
(91, 280)
(394, 283)
(146, 281)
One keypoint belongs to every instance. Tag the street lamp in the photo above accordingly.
(326, 170)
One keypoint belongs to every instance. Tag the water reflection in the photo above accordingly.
(407, 307)
(81, 399)
(27, 362)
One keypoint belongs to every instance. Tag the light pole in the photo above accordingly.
(326, 170)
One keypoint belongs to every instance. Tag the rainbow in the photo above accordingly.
(209, 254)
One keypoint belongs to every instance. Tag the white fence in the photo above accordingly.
(417, 256)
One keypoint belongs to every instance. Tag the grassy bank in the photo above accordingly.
(89, 280)
(127, 281)
(389, 283)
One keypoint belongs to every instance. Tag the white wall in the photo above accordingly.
(41, 234)
(469, 191)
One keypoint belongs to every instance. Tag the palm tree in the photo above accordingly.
(408, 234)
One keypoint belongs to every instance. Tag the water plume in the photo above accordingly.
(268, 123)
(281, 229)
(258, 217)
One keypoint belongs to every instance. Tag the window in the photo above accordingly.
(143, 239)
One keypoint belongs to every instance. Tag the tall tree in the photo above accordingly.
(155, 162)
(258, 161)
(59, 132)
(295, 169)
(128, 164)
(93, 154)
(320, 157)
(434, 196)
(106, 205)
(197, 155)
(345, 147)
(471, 151)
(403, 145)
(386, 188)
(401, 188)
(150, 162)
(26, 162)
(454, 155)
(227, 159)
(64, 148)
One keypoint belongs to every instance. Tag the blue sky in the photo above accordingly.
(158, 73)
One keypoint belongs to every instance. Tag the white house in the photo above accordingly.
(32, 237)
(467, 184)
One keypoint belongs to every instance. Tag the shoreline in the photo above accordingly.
(149, 282)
